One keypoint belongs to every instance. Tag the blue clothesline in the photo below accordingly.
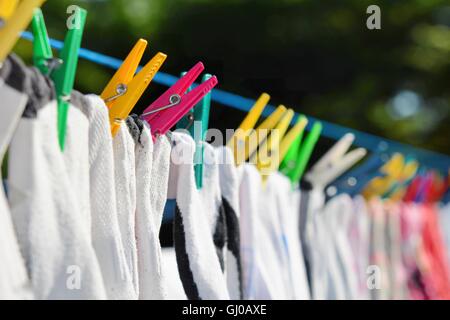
(370, 142)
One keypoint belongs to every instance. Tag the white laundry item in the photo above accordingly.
(76, 154)
(288, 205)
(197, 259)
(14, 282)
(175, 289)
(257, 280)
(325, 276)
(106, 237)
(211, 201)
(151, 279)
(271, 238)
(359, 234)
(159, 178)
(337, 214)
(125, 181)
(54, 240)
(229, 179)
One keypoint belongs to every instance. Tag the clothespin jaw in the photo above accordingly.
(118, 84)
(173, 104)
(16, 23)
(257, 137)
(64, 76)
(334, 154)
(7, 8)
(123, 105)
(305, 152)
(42, 52)
(267, 157)
(237, 142)
(198, 115)
(291, 136)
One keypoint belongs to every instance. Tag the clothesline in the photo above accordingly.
(371, 142)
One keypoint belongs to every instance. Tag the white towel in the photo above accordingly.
(288, 205)
(257, 280)
(211, 201)
(229, 188)
(14, 282)
(125, 180)
(54, 240)
(197, 259)
(76, 154)
(106, 235)
(151, 279)
(175, 289)
(271, 244)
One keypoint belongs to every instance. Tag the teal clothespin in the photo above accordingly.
(64, 76)
(198, 115)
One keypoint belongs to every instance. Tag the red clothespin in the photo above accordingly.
(173, 104)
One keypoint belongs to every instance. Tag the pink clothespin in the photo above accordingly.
(173, 104)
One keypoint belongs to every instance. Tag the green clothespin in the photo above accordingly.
(42, 52)
(287, 164)
(297, 158)
(198, 114)
(64, 76)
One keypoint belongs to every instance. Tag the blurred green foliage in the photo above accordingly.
(315, 56)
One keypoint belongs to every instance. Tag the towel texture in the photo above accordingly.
(54, 240)
(125, 180)
(14, 282)
(151, 279)
(106, 235)
(229, 188)
(198, 263)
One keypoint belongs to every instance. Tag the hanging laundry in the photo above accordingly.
(198, 264)
(54, 240)
(152, 283)
(106, 237)
(125, 181)
(14, 282)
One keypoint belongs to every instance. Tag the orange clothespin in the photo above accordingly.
(124, 89)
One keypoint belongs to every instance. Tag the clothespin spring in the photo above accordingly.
(121, 89)
(174, 100)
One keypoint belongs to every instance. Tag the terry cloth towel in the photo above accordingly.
(152, 283)
(338, 214)
(229, 188)
(106, 237)
(175, 289)
(76, 154)
(257, 280)
(14, 282)
(287, 205)
(54, 240)
(125, 180)
(211, 201)
(272, 245)
(198, 263)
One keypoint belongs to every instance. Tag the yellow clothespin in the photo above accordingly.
(237, 141)
(392, 171)
(17, 22)
(258, 136)
(267, 156)
(123, 91)
(7, 7)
